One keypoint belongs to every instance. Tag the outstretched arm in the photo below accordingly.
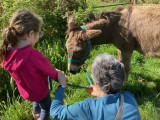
(63, 112)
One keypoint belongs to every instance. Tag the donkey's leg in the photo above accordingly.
(125, 58)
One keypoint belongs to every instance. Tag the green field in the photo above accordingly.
(143, 82)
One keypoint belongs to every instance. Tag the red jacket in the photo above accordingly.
(30, 69)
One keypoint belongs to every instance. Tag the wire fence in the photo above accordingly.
(125, 2)
(112, 5)
(132, 1)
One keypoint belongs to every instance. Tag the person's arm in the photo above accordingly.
(64, 112)
(68, 112)
(43, 64)
(57, 108)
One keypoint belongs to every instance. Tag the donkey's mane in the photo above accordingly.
(103, 15)
(108, 15)
(112, 16)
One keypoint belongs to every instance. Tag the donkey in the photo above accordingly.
(129, 28)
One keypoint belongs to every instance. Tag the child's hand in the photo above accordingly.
(62, 78)
(65, 75)
(93, 91)
(66, 78)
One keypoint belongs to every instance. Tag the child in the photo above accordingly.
(28, 67)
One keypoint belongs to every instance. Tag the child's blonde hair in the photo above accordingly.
(21, 23)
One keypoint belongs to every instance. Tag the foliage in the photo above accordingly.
(53, 12)
(54, 49)
(4, 84)
(144, 76)
(17, 109)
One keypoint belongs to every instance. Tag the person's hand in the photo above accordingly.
(93, 91)
(62, 78)
(66, 78)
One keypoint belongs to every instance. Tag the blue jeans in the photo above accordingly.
(43, 107)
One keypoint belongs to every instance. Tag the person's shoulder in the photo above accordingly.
(89, 100)
(36, 53)
(127, 93)
(36, 56)
(92, 101)
(129, 96)
(87, 103)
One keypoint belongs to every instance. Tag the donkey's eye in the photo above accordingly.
(76, 53)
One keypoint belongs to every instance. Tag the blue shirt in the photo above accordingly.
(103, 108)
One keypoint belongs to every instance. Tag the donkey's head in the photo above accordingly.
(78, 44)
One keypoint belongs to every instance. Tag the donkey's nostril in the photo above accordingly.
(79, 70)
(73, 72)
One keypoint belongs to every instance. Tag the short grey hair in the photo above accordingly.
(108, 72)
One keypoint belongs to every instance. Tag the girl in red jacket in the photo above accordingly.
(28, 67)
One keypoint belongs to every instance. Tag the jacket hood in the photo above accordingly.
(15, 59)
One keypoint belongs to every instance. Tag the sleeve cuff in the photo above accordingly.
(56, 75)
(61, 86)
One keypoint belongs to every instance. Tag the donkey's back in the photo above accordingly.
(143, 22)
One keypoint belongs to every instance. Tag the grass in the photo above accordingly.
(18, 110)
(143, 82)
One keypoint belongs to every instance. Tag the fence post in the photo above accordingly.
(134, 2)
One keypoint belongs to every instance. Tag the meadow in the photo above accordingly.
(143, 82)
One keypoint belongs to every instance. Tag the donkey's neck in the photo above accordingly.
(100, 24)
(96, 24)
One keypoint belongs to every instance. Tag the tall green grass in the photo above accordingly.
(143, 82)
(14, 108)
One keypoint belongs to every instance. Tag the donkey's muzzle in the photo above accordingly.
(74, 72)
(73, 68)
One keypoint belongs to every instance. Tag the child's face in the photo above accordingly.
(34, 37)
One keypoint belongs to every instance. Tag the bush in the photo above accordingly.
(53, 12)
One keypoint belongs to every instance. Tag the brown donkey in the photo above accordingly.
(131, 28)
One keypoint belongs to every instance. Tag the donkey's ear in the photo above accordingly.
(70, 18)
(91, 33)
(71, 23)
